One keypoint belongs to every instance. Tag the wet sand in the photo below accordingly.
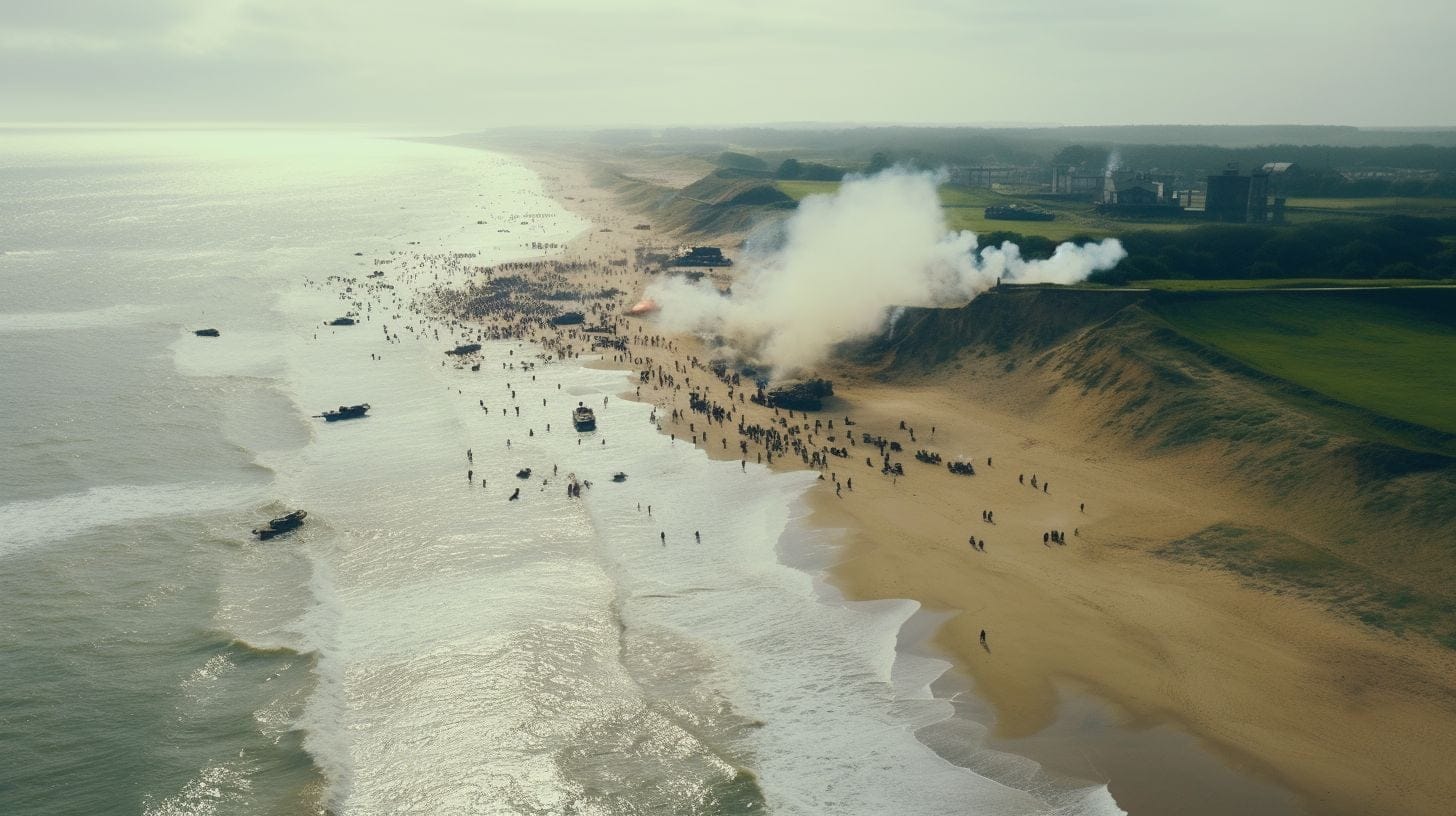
(1197, 693)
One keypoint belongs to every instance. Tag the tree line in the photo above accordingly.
(1387, 247)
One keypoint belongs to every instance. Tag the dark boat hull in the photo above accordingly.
(346, 412)
(281, 525)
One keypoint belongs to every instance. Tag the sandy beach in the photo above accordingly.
(1306, 710)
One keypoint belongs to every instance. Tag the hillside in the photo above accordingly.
(1254, 392)
(724, 201)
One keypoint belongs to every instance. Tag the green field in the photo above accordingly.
(1430, 207)
(964, 210)
(1389, 352)
(1242, 284)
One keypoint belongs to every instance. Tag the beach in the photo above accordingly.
(769, 609)
(1303, 710)
(477, 614)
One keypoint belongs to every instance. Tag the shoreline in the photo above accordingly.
(1226, 647)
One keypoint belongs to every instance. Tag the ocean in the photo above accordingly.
(423, 645)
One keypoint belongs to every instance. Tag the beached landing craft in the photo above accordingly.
(342, 321)
(344, 412)
(208, 333)
(282, 524)
(584, 418)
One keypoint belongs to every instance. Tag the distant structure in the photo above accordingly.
(1131, 190)
(1137, 195)
(1234, 198)
(1073, 181)
(989, 176)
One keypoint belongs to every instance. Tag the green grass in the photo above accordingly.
(1430, 207)
(797, 190)
(965, 210)
(1310, 210)
(1270, 560)
(1223, 285)
(1388, 352)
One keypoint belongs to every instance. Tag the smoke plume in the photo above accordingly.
(849, 259)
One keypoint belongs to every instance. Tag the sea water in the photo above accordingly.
(423, 644)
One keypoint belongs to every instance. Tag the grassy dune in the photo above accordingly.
(1283, 563)
(1388, 352)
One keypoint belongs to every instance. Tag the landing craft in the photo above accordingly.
(282, 524)
(344, 412)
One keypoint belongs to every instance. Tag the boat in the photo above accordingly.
(342, 321)
(281, 525)
(584, 418)
(344, 412)
(208, 333)
(619, 476)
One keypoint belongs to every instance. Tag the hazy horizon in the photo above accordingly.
(453, 66)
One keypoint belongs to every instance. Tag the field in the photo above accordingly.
(1429, 207)
(964, 210)
(1236, 284)
(1388, 352)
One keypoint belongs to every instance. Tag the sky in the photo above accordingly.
(475, 64)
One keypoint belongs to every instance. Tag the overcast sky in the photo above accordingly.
(481, 63)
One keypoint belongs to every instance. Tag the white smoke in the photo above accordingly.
(848, 258)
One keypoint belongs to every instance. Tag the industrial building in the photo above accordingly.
(1073, 181)
(1137, 195)
(989, 176)
(1238, 199)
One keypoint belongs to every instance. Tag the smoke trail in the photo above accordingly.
(877, 243)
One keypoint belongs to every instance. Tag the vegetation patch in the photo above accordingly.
(1270, 560)
(1385, 351)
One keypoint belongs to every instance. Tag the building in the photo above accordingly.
(1237, 199)
(1137, 195)
(1076, 181)
(1131, 190)
(988, 176)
